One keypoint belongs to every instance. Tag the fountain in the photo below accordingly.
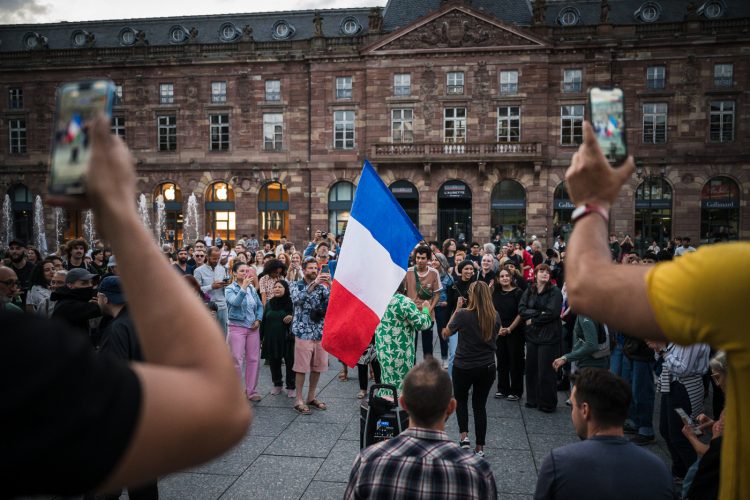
(40, 236)
(59, 226)
(88, 227)
(190, 226)
(7, 235)
(160, 225)
(143, 211)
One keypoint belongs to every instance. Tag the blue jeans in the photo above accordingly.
(222, 318)
(616, 359)
(641, 412)
(452, 344)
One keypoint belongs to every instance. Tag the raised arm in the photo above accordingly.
(598, 288)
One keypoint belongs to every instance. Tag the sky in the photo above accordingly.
(50, 11)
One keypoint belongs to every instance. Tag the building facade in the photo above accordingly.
(469, 110)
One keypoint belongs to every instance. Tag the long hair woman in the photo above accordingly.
(41, 277)
(278, 342)
(540, 308)
(245, 312)
(474, 367)
(506, 297)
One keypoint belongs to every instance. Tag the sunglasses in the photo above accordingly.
(199, 256)
(10, 283)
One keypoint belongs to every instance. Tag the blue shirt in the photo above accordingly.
(245, 306)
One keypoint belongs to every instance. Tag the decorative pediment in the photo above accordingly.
(454, 29)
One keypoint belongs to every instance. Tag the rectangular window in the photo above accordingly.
(273, 131)
(118, 96)
(402, 125)
(722, 121)
(655, 123)
(723, 75)
(572, 80)
(402, 84)
(656, 77)
(344, 87)
(219, 132)
(509, 82)
(343, 129)
(167, 133)
(571, 124)
(166, 93)
(454, 129)
(218, 92)
(508, 124)
(118, 126)
(15, 98)
(273, 90)
(455, 83)
(17, 128)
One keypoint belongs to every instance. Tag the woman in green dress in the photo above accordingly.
(277, 340)
(394, 337)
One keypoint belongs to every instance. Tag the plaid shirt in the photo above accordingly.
(420, 463)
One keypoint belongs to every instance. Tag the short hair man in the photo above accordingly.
(422, 462)
(8, 289)
(182, 265)
(213, 278)
(423, 286)
(75, 251)
(604, 464)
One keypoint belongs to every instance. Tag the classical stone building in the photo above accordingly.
(470, 111)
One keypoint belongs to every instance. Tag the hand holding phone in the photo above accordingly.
(607, 115)
(325, 269)
(687, 420)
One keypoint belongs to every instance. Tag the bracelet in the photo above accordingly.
(582, 211)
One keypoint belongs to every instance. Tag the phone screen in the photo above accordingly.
(77, 104)
(607, 113)
(325, 269)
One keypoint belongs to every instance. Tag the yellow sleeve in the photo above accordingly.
(704, 296)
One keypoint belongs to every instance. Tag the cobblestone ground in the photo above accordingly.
(286, 455)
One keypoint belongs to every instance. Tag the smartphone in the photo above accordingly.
(325, 269)
(688, 420)
(226, 280)
(607, 115)
(78, 103)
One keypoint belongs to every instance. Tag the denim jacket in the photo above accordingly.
(245, 306)
(447, 282)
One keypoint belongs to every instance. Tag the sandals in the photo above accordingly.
(318, 405)
(343, 375)
(361, 394)
(303, 409)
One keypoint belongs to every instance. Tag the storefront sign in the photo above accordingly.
(723, 204)
(508, 204)
(404, 190)
(564, 205)
(455, 190)
(653, 204)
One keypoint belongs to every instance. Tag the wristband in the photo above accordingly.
(582, 211)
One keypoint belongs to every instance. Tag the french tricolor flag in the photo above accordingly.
(372, 263)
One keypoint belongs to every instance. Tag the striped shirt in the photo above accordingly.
(420, 464)
(686, 365)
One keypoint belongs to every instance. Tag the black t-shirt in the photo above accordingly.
(24, 275)
(472, 351)
(475, 258)
(506, 304)
(67, 414)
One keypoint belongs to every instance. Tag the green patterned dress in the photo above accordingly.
(394, 338)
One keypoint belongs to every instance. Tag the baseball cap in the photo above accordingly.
(111, 287)
(18, 242)
(111, 262)
(78, 274)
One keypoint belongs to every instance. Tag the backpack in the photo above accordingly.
(605, 344)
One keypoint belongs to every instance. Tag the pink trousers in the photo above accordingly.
(244, 344)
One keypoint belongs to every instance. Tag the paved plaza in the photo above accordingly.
(291, 456)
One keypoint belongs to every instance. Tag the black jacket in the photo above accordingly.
(544, 312)
(459, 289)
(74, 308)
(120, 339)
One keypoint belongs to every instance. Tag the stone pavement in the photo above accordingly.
(286, 455)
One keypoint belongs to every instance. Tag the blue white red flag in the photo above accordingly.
(74, 128)
(372, 263)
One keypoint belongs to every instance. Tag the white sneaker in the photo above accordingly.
(479, 453)
(445, 364)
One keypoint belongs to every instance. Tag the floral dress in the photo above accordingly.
(394, 338)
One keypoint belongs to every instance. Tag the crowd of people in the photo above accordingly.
(514, 316)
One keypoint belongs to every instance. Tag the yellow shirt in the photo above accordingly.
(705, 297)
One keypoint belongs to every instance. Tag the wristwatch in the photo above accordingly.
(582, 211)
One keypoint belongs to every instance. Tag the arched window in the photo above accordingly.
(407, 196)
(720, 210)
(171, 218)
(562, 212)
(653, 213)
(220, 214)
(273, 210)
(508, 210)
(22, 217)
(339, 205)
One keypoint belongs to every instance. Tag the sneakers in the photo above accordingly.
(361, 394)
(291, 393)
(641, 440)
(512, 397)
(499, 395)
(465, 443)
(276, 391)
(479, 453)
(445, 364)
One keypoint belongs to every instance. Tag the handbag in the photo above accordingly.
(422, 292)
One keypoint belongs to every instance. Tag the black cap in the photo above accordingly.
(111, 287)
(16, 241)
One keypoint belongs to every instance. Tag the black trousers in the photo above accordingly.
(670, 427)
(541, 379)
(363, 376)
(275, 365)
(426, 341)
(510, 364)
(480, 381)
(442, 315)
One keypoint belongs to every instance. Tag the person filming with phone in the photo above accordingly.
(213, 279)
(182, 407)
